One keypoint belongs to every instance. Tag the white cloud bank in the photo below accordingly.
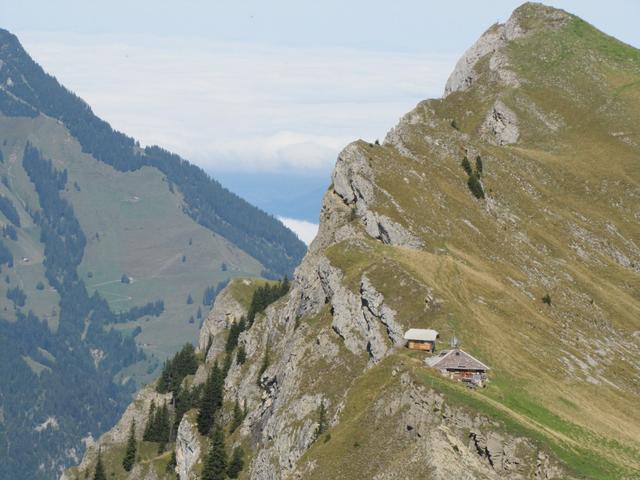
(240, 107)
(306, 231)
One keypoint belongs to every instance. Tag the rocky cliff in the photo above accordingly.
(506, 214)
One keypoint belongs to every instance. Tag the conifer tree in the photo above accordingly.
(99, 473)
(130, 455)
(466, 165)
(322, 419)
(236, 464)
(479, 165)
(148, 429)
(211, 400)
(241, 356)
(162, 424)
(237, 416)
(215, 465)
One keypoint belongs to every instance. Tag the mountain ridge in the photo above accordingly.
(504, 214)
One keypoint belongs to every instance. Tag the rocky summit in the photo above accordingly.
(504, 214)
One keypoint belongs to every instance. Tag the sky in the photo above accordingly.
(264, 95)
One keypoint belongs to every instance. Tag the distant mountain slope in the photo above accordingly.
(27, 90)
(506, 214)
(109, 255)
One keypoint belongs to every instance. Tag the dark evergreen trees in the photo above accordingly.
(234, 332)
(241, 356)
(17, 296)
(99, 473)
(9, 210)
(466, 165)
(158, 426)
(130, 453)
(264, 296)
(211, 400)
(322, 420)
(238, 416)
(9, 231)
(236, 464)
(475, 186)
(479, 165)
(6, 258)
(182, 364)
(473, 177)
(215, 464)
(211, 292)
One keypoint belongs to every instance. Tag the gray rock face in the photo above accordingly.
(188, 450)
(493, 41)
(500, 127)
(354, 183)
(225, 309)
(364, 322)
(451, 443)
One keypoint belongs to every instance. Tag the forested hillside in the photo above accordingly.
(110, 256)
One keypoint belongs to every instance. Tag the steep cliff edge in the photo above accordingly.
(545, 206)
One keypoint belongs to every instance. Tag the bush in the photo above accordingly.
(475, 186)
(546, 299)
(466, 165)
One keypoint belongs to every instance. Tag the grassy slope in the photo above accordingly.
(133, 225)
(568, 372)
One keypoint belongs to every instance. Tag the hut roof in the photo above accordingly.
(456, 359)
(421, 334)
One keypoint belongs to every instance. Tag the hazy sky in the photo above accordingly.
(265, 87)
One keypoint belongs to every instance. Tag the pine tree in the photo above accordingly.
(211, 400)
(479, 165)
(236, 464)
(215, 465)
(163, 424)
(475, 186)
(148, 429)
(237, 416)
(322, 419)
(241, 356)
(130, 455)
(99, 472)
(466, 165)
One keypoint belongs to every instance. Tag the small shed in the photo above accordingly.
(459, 365)
(421, 339)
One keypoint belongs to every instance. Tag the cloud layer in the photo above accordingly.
(306, 231)
(240, 106)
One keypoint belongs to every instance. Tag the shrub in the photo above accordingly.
(546, 299)
(466, 165)
(475, 186)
